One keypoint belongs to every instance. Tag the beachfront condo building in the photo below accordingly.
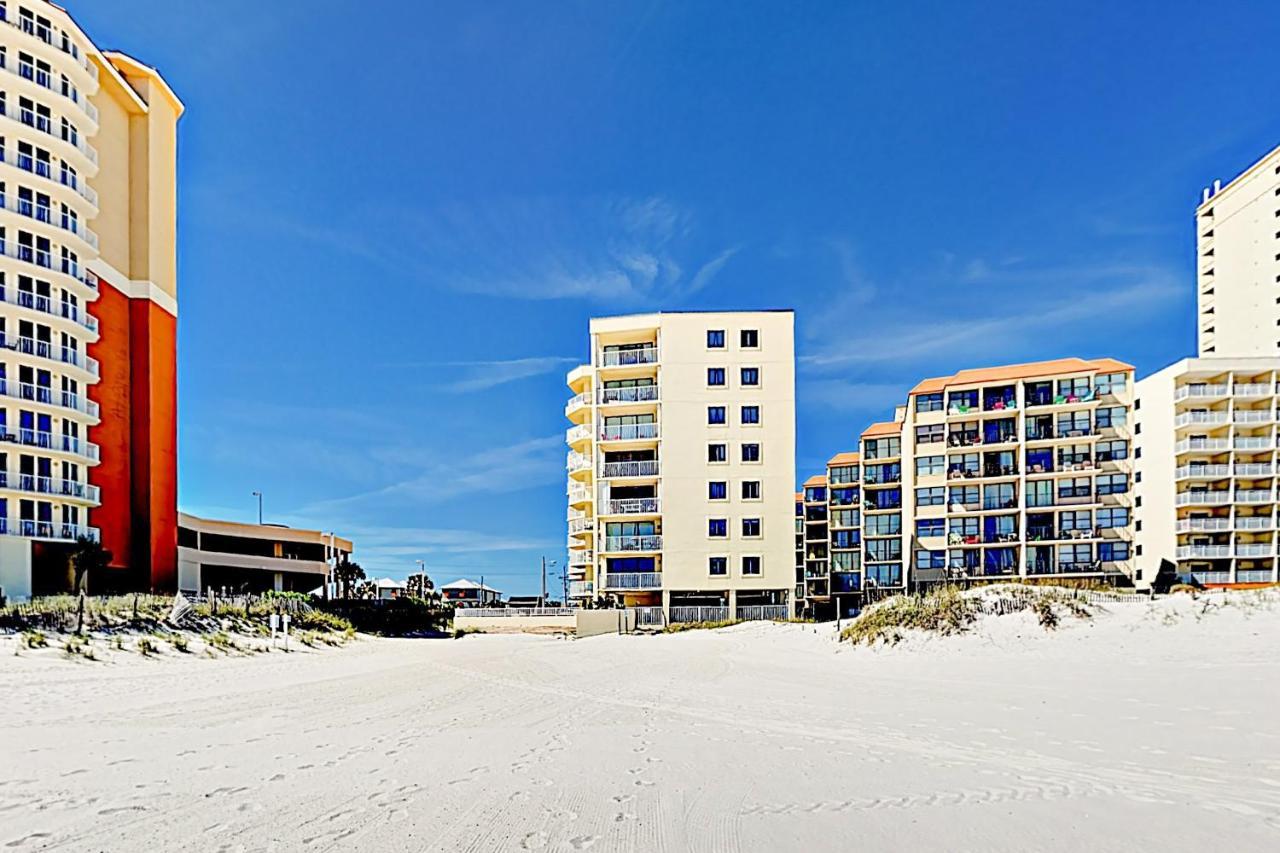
(88, 306)
(1006, 472)
(829, 539)
(1238, 264)
(1207, 471)
(681, 465)
(232, 556)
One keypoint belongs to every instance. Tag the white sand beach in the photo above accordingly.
(1146, 729)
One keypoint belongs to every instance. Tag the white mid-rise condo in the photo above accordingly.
(681, 465)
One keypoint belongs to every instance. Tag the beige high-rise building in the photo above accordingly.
(1207, 471)
(1016, 471)
(681, 465)
(1238, 264)
(829, 539)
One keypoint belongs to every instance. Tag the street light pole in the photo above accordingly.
(422, 574)
(542, 601)
(258, 495)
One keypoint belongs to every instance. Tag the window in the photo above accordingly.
(750, 377)
(1109, 451)
(845, 539)
(1113, 551)
(716, 415)
(1113, 484)
(926, 465)
(750, 339)
(930, 497)
(1110, 416)
(717, 566)
(717, 453)
(1113, 517)
(751, 527)
(883, 525)
(930, 434)
(750, 453)
(751, 490)
(718, 528)
(846, 518)
(715, 339)
(715, 377)
(1109, 383)
(750, 565)
(929, 403)
(883, 448)
(929, 527)
(931, 559)
(750, 414)
(717, 490)
(844, 474)
(884, 550)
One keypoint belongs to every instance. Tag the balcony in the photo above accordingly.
(1254, 389)
(50, 486)
(1254, 496)
(44, 169)
(581, 557)
(1254, 522)
(632, 543)
(1077, 567)
(1204, 445)
(1203, 525)
(631, 506)
(577, 403)
(51, 441)
(632, 580)
(1254, 576)
(1253, 469)
(628, 432)
(1201, 471)
(1210, 578)
(1255, 549)
(47, 530)
(1221, 498)
(579, 493)
(1201, 419)
(629, 357)
(582, 589)
(1204, 552)
(1201, 392)
(643, 468)
(42, 122)
(1252, 416)
(575, 434)
(634, 394)
(48, 396)
(578, 526)
(45, 213)
(577, 462)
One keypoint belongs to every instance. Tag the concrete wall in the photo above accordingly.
(1155, 514)
(583, 623)
(15, 568)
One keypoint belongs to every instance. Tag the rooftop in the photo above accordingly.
(846, 458)
(1030, 370)
(882, 428)
(816, 480)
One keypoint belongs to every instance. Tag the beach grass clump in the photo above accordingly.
(678, 627)
(320, 620)
(180, 643)
(35, 640)
(146, 647)
(944, 611)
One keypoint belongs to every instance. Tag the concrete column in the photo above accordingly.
(278, 582)
(733, 603)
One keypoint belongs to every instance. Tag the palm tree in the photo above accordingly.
(419, 586)
(89, 557)
(347, 573)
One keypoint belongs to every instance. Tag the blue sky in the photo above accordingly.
(396, 219)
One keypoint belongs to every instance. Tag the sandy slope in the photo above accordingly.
(1125, 734)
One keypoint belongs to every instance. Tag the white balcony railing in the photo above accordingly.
(1252, 416)
(628, 432)
(1212, 577)
(633, 580)
(631, 506)
(764, 612)
(1254, 496)
(579, 492)
(1254, 389)
(1202, 445)
(581, 589)
(644, 468)
(581, 525)
(576, 461)
(46, 530)
(1255, 549)
(699, 614)
(626, 357)
(1254, 522)
(577, 402)
(630, 394)
(1253, 469)
(1203, 525)
(48, 396)
(1201, 419)
(44, 169)
(1253, 442)
(1254, 576)
(1201, 391)
(1186, 471)
(633, 543)
(580, 557)
(1203, 552)
(46, 214)
(50, 486)
(577, 433)
(1220, 498)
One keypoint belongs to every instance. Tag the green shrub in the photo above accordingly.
(180, 644)
(35, 639)
(320, 620)
(146, 647)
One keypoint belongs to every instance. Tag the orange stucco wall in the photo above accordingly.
(138, 436)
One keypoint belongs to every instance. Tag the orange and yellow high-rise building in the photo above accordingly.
(88, 306)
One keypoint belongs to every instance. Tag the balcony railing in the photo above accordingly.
(581, 557)
(1201, 391)
(48, 396)
(46, 530)
(44, 169)
(576, 462)
(1253, 469)
(1203, 525)
(628, 432)
(53, 352)
(631, 506)
(577, 402)
(1212, 577)
(581, 589)
(50, 486)
(1254, 389)
(626, 357)
(45, 213)
(1254, 522)
(644, 468)
(48, 305)
(579, 492)
(1221, 498)
(51, 441)
(1252, 416)
(764, 612)
(1253, 442)
(1207, 445)
(1253, 496)
(1255, 549)
(633, 580)
(1203, 552)
(1185, 471)
(44, 123)
(633, 543)
(577, 433)
(45, 80)
(1254, 576)
(581, 525)
(46, 34)
(699, 614)
(632, 394)
(1201, 419)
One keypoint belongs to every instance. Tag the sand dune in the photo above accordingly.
(1150, 728)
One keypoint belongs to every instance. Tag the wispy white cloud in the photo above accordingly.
(482, 375)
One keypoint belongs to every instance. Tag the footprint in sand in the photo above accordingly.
(622, 817)
(535, 840)
(623, 798)
(33, 837)
(582, 842)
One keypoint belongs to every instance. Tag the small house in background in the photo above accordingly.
(468, 593)
(386, 588)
